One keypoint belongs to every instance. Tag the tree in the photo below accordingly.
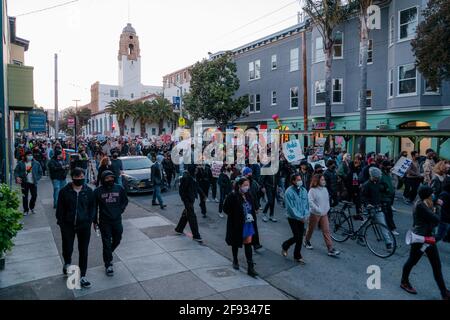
(432, 43)
(82, 114)
(161, 110)
(326, 15)
(142, 112)
(121, 108)
(212, 93)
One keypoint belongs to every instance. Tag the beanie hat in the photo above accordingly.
(159, 158)
(106, 174)
(246, 171)
(425, 192)
(318, 166)
(375, 172)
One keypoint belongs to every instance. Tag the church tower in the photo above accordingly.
(129, 64)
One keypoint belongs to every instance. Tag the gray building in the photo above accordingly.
(271, 72)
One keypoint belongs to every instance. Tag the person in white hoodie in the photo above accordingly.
(319, 205)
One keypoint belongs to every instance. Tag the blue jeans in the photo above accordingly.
(442, 231)
(157, 195)
(57, 186)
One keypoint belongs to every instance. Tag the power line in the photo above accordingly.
(257, 19)
(48, 8)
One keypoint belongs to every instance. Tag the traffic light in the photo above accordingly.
(113, 126)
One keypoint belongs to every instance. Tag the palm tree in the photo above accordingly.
(120, 108)
(142, 112)
(162, 110)
(326, 16)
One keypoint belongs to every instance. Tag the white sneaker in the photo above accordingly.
(395, 233)
(216, 200)
(393, 209)
(221, 215)
(273, 219)
(265, 219)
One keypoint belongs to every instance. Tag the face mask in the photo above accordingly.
(109, 183)
(29, 158)
(78, 182)
(245, 189)
(299, 184)
(115, 156)
(323, 183)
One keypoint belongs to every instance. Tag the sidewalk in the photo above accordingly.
(151, 263)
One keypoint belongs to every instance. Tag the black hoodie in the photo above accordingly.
(75, 209)
(110, 202)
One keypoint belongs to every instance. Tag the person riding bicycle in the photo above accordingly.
(371, 194)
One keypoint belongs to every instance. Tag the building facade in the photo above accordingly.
(129, 87)
(175, 85)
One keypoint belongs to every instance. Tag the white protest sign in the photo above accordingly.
(216, 167)
(401, 166)
(321, 162)
(293, 151)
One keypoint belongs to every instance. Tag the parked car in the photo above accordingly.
(137, 174)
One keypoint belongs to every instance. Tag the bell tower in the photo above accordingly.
(129, 64)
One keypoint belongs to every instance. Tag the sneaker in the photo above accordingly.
(265, 219)
(66, 266)
(273, 219)
(216, 200)
(408, 287)
(257, 247)
(178, 233)
(284, 253)
(155, 204)
(395, 233)
(301, 261)
(393, 209)
(163, 206)
(199, 240)
(308, 245)
(221, 215)
(110, 271)
(333, 252)
(32, 211)
(236, 265)
(25, 213)
(84, 283)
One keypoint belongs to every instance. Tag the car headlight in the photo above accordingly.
(131, 180)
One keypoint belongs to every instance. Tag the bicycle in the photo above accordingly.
(371, 233)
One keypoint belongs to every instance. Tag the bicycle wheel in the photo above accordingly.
(339, 225)
(380, 240)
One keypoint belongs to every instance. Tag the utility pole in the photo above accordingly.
(76, 123)
(305, 90)
(56, 98)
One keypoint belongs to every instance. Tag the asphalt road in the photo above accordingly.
(323, 277)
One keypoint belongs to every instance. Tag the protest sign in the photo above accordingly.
(401, 166)
(293, 151)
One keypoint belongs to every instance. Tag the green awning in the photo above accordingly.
(20, 87)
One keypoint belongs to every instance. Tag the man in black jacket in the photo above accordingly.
(58, 169)
(157, 178)
(110, 203)
(75, 215)
(188, 193)
(332, 183)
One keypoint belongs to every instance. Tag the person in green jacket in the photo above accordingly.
(388, 195)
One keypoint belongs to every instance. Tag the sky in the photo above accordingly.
(173, 34)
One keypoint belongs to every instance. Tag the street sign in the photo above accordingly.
(181, 122)
(176, 101)
(37, 121)
(71, 122)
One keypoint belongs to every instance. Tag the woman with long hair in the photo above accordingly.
(319, 205)
(105, 165)
(240, 209)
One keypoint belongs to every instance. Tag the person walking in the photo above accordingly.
(439, 177)
(157, 179)
(413, 179)
(269, 187)
(388, 196)
(169, 169)
(297, 206)
(75, 216)
(188, 193)
(319, 205)
(305, 174)
(225, 187)
(58, 169)
(117, 167)
(331, 179)
(239, 207)
(428, 166)
(444, 223)
(110, 202)
(425, 219)
(27, 173)
(105, 165)
(254, 192)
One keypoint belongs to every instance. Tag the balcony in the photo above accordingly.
(20, 87)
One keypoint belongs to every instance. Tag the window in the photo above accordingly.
(254, 103)
(254, 70)
(153, 131)
(251, 103)
(429, 89)
(130, 49)
(294, 98)
(319, 89)
(368, 99)
(184, 75)
(319, 55)
(274, 62)
(273, 98)
(111, 93)
(257, 103)
(337, 90)
(132, 96)
(338, 46)
(391, 83)
(407, 23)
(178, 78)
(294, 59)
(369, 53)
(391, 30)
(407, 77)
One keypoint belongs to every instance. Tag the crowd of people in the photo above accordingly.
(305, 192)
